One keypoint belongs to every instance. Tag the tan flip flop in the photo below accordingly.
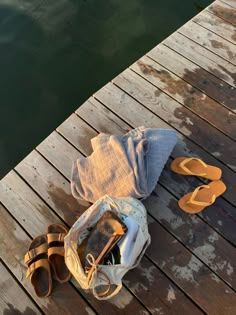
(202, 197)
(55, 236)
(38, 266)
(196, 167)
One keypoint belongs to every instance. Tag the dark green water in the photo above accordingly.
(55, 53)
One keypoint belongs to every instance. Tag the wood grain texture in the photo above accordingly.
(57, 154)
(224, 11)
(219, 215)
(63, 165)
(128, 110)
(201, 56)
(101, 118)
(50, 184)
(216, 25)
(172, 112)
(54, 189)
(192, 276)
(10, 289)
(25, 196)
(208, 39)
(232, 3)
(158, 293)
(171, 213)
(15, 243)
(197, 77)
(183, 90)
(195, 128)
(187, 83)
(211, 278)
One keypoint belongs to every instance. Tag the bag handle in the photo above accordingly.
(92, 280)
(103, 295)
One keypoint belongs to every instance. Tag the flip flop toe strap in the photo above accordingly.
(201, 203)
(41, 263)
(183, 166)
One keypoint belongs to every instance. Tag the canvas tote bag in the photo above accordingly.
(132, 246)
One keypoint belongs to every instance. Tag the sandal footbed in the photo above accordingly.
(40, 278)
(56, 260)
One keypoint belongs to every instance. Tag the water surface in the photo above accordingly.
(55, 54)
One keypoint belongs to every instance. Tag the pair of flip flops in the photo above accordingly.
(204, 195)
(46, 252)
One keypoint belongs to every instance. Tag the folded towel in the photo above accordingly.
(122, 166)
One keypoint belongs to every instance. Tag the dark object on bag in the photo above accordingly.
(104, 236)
(113, 257)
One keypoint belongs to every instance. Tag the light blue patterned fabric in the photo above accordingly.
(123, 166)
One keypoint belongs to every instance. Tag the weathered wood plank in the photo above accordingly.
(187, 94)
(178, 116)
(59, 154)
(160, 295)
(78, 133)
(13, 299)
(179, 263)
(211, 41)
(98, 116)
(141, 282)
(189, 273)
(46, 181)
(9, 189)
(202, 57)
(219, 215)
(122, 303)
(226, 255)
(126, 108)
(161, 180)
(14, 244)
(200, 78)
(224, 11)
(63, 165)
(134, 113)
(196, 235)
(216, 25)
(232, 3)
(154, 235)
(24, 205)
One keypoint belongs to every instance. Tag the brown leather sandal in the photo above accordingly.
(196, 167)
(202, 197)
(55, 237)
(38, 266)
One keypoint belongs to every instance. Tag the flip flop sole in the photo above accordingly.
(217, 188)
(211, 172)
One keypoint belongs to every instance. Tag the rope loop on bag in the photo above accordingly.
(91, 260)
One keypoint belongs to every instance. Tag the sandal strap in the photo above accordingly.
(41, 263)
(34, 252)
(55, 237)
(56, 250)
(201, 203)
(184, 168)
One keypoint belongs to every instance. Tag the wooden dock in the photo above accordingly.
(188, 82)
